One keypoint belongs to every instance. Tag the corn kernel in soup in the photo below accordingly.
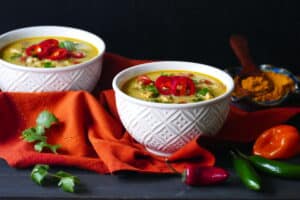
(48, 52)
(174, 87)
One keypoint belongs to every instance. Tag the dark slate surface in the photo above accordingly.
(16, 184)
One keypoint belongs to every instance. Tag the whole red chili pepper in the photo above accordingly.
(203, 175)
(196, 175)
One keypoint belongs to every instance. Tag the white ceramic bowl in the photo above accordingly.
(83, 76)
(165, 128)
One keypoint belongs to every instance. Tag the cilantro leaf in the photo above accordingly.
(30, 135)
(46, 119)
(69, 45)
(40, 130)
(202, 92)
(67, 181)
(152, 89)
(48, 64)
(37, 134)
(41, 145)
(39, 173)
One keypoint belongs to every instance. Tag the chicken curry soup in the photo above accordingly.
(48, 52)
(174, 87)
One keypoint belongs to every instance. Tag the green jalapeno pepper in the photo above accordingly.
(276, 168)
(246, 172)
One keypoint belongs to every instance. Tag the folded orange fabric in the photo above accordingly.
(92, 136)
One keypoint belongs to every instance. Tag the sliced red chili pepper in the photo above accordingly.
(43, 49)
(164, 85)
(37, 50)
(144, 80)
(50, 43)
(183, 86)
(77, 54)
(58, 54)
(33, 50)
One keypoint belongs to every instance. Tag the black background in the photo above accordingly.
(191, 30)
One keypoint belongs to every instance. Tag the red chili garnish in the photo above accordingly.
(208, 82)
(50, 43)
(197, 175)
(144, 80)
(43, 49)
(58, 54)
(164, 85)
(77, 54)
(33, 50)
(75, 62)
(23, 58)
(183, 86)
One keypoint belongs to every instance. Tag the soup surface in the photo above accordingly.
(48, 52)
(174, 87)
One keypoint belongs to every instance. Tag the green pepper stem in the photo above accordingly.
(171, 167)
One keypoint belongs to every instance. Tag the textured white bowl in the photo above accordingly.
(165, 128)
(83, 76)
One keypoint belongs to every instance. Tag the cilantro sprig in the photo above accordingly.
(67, 182)
(40, 173)
(37, 134)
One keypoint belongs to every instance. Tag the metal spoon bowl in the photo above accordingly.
(234, 71)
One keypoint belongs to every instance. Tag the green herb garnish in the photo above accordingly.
(69, 45)
(37, 134)
(15, 56)
(66, 181)
(48, 64)
(39, 173)
(202, 92)
(152, 89)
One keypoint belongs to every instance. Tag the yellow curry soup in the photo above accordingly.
(174, 87)
(48, 52)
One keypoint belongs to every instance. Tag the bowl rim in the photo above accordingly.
(227, 94)
(55, 69)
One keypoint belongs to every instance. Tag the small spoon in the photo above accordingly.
(239, 46)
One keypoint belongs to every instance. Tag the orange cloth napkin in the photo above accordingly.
(92, 136)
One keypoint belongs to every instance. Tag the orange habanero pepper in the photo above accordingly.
(278, 142)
